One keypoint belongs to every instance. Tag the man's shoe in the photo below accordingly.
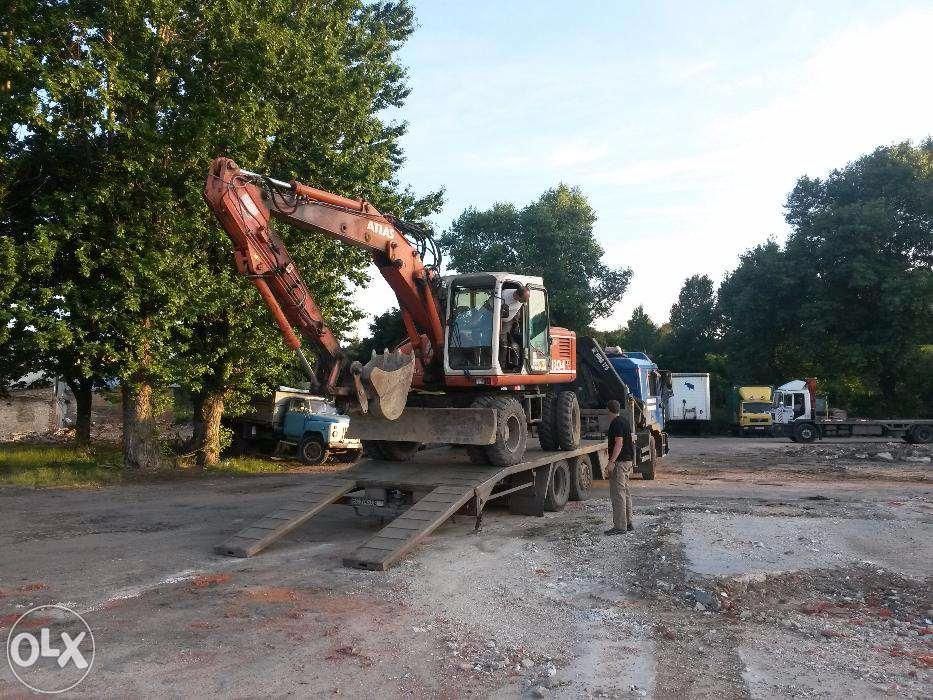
(614, 531)
(630, 527)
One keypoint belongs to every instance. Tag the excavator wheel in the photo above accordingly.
(567, 415)
(547, 428)
(511, 430)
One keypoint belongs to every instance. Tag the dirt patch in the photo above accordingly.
(209, 580)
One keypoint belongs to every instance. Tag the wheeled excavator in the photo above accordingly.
(474, 369)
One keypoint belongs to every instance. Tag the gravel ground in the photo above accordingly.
(759, 568)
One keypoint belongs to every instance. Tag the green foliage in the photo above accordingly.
(640, 334)
(42, 466)
(117, 110)
(849, 298)
(69, 466)
(759, 302)
(552, 238)
(694, 326)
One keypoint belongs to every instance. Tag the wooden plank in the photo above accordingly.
(256, 537)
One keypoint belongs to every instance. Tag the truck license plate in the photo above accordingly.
(359, 501)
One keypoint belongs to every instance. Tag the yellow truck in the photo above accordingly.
(752, 409)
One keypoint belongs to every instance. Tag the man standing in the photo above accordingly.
(620, 462)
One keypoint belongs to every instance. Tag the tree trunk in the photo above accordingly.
(209, 411)
(84, 394)
(140, 438)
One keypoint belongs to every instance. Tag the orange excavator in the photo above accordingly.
(480, 362)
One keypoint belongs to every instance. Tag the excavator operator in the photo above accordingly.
(511, 356)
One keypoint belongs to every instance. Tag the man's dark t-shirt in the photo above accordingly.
(617, 429)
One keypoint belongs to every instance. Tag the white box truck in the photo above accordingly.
(689, 402)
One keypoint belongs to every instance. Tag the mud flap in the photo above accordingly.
(459, 426)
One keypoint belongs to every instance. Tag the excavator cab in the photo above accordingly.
(497, 324)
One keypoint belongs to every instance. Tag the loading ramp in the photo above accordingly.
(437, 484)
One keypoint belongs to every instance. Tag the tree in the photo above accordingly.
(694, 326)
(552, 238)
(864, 237)
(760, 306)
(135, 107)
(641, 333)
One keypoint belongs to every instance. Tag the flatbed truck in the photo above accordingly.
(413, 498)
(803, 416)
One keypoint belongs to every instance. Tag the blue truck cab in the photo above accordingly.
(316, 426)
(295, 422)
(643, 379)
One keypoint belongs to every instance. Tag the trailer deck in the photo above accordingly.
(437, 484)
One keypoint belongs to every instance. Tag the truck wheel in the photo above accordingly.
(581, 478)
(311, 450)
(511, 430)
(805, 432)
(558, 491)
(547, 428)
(920, 434)
(568, 420)
(647, 468)
(398, 451)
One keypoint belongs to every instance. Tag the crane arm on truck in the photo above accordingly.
(244, 202)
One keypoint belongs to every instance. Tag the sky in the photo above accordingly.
(685, 124)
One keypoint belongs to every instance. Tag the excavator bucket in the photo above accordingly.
(387, 379)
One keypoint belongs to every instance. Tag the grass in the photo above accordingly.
(42, 466)
(73, 466)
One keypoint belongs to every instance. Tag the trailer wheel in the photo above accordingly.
(920, 434)
(558, 491)
(547, 428)
(581, 478)
(805, 432)
(568, 420)
(647, 468)
(311, 450)
(511, 430)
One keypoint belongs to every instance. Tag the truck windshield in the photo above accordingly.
(470, 328)
(756, 407)
(322, 408)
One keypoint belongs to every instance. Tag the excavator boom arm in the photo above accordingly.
(244, 202)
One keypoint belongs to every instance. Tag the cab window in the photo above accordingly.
(538, 328)
(470, 328)
(652, 384)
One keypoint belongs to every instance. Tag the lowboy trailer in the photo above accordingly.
(416, 497)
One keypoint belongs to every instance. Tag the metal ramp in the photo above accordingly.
(262, 533)
(404, 533)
